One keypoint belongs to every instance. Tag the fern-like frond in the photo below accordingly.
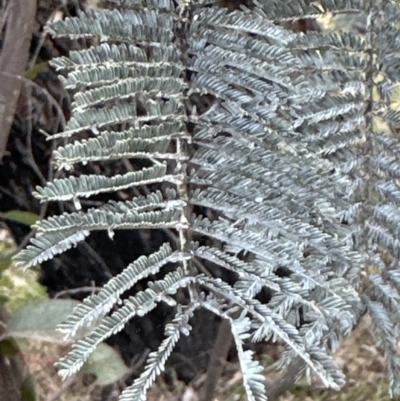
(125, 88)
(100, 59)
(138, 305)
(146, 142)
(253, 379)
(88, 185)
(160, 5)
(112, 73)
(254, 276)
(156, 361)
(269, 324)
(387, 339)
(70, 221)
(97, 219)
(147, 26)
(100, 304)
(45, 248)
(57, 234)
(293, 10)
(96, 119)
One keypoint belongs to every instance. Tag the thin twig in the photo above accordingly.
(43, 36)
(30, 159)
(4, 15)
(48, 95)
(77, 291)
(219, 354)
(97, 258)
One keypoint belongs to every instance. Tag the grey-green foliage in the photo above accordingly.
(296, 163)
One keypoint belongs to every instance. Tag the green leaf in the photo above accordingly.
(106, 364)
(35, 70)
(22, 217)
(4, 264)
(28, 392)
(39, 321)
(9, 348)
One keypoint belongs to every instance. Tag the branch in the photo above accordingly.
(219, 354)
(13, 59)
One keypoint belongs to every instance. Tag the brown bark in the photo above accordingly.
(13, 60)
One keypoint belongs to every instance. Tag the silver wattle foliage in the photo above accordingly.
(296, 160)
